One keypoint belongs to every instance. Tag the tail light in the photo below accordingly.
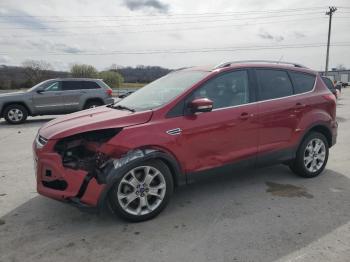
(332, 104)
(330, 97)
(109, 92)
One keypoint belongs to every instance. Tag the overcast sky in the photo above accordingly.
(172, 33)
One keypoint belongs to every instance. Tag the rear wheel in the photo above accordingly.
(142, 192)
(312, 156)
(93, 104)
(15, 114)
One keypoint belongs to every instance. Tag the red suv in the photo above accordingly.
(129, 156)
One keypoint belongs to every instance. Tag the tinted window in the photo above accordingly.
(328, 83)
(53, 86)
(302, 82)
(230, 89)
(89, 85)
(71, 85)
(273, 84)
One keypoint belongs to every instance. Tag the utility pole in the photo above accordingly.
(332, 9)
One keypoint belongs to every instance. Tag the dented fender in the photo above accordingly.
(117, 167)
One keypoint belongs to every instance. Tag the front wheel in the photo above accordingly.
(142, 192)
(15, 114)
(312, 156)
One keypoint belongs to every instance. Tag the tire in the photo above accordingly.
(132, 196)
(92, 104)
(15, 114)
(309, 163)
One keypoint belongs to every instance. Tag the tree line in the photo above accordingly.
(35, 71)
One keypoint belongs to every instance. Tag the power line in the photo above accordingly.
(125, 18)
(181, 14)
(64, 34)
(159, 24)
(200, 50)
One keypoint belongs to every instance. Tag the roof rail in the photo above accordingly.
(226, 64)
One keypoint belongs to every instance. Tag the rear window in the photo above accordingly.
(273, 84)
(302, 82)
(90, 85)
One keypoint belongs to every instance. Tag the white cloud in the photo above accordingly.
(4, 59)
(78, 27)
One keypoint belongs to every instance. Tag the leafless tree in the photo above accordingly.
(341, 67)
(36, 70)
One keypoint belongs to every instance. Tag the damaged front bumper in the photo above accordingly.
(64, 184)
(83, 184)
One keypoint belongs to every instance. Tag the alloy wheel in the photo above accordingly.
(15, 115)
(314, 155)
(141, 190)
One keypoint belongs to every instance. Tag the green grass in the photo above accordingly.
(132, 85)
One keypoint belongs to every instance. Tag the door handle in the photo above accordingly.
(299, 106)
(244, 116)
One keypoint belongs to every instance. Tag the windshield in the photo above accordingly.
(37, 85)
(162, 90)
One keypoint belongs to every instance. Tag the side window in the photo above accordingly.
(54, 86)
(89, 85)
(229, 89)
(302, 82)
(273, 84)
(328, 83)
(71, 85)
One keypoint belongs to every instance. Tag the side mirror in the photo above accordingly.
(201, 105)
(40, 91)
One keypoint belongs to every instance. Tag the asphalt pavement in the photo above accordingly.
(266, 214)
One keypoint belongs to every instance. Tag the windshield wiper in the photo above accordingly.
(123, 108)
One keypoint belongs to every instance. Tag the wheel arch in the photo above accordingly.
(138, 156)
(320, 128)
(6, 104)
(93, 99)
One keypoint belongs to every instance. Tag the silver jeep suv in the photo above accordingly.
(54, 97)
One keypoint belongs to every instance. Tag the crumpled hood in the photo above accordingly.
(102, 117)
(12, 94)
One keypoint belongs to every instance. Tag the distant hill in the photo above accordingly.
(14, 77)
(142, 74)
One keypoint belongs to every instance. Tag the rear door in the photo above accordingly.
(279, 111)
(49, 99)
(72, 91)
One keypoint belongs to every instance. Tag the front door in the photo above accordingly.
(49, 99)
(228, 133)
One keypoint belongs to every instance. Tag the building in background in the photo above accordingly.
(338, 75)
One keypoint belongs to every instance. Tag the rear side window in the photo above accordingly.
(302, 82)
(90, 85)
(328, 83)
(273, 84)
(71, 85)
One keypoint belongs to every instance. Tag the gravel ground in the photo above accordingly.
(261, 215)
